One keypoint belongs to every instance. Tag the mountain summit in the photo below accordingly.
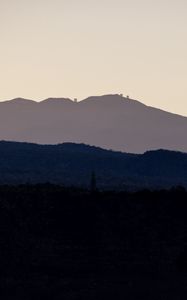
(109, 121)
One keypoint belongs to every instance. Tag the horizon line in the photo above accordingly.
(76, 101)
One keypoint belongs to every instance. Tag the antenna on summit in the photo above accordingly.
(121, 95)
(75, 100)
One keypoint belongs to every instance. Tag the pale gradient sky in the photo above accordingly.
(78, 48)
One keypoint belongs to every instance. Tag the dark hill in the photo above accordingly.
(72, 164)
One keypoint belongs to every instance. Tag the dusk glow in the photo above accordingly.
(68, 48)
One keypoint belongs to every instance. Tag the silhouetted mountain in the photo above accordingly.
(110, 122)
(73, 164)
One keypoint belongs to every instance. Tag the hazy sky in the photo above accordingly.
(78, 48)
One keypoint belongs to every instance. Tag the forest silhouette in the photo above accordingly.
(70, 243)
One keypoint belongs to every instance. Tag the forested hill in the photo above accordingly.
(72, 164)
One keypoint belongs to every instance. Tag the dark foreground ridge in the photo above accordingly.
(58, 243)
(71, 164)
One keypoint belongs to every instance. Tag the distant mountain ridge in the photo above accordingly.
(109, 121)
(72, 164)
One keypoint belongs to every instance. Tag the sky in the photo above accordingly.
(79, 48)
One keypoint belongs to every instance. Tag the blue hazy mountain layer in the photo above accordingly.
(72, 164)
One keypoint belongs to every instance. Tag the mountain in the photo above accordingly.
(110, 121)
(72, 164)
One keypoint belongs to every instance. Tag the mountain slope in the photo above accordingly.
(110, 122)
(72, 164)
